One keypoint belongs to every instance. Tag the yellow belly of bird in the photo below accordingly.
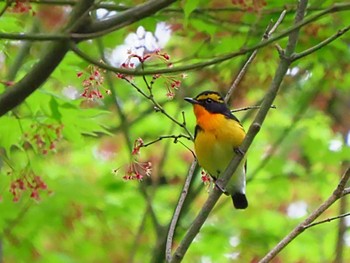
(215, 143)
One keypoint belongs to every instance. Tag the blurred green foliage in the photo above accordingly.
(87, 213)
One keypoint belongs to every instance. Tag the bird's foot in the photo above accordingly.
(238, 150)
(218, 184)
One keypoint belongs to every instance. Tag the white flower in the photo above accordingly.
(102, 13)
(162, 34)
(71, 92)
(234, 241)
(297, 209)
(140, 43)
(335, 145)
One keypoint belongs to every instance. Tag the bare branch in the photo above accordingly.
(177, 212)
(244, 69)
(43, 69)
(321, 44)
(56, 51)
(338, 193)
(330, 219)
(175, 137)
(346, 191)
(84, 36)
(253, 130)
(284, 134)
(251, 108)
(341, 232)
(127, 17)
(218, 59)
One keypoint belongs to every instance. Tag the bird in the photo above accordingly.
(217, 138)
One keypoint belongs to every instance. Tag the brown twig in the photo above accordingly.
(57, 50)
(177, 212)
(251, 108)
(269, 30)
(253, 130)
(286, 131)
(333, 9)
(327, 220)
(321, 44)
(175, 137)
(337, 194)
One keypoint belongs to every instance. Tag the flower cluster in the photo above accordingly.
(172, 82)
(27, 181)
(206, 179)
(137, 146)
(22, 6)
(136, 170)
(93, 83)
(140, 43)
(143, 46)
(133, 59)
(45, 137)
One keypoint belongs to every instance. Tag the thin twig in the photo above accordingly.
(218, 59)
(346, 191)
(338, 193)
(321, 44)
(175, 137)
(138, 236)
(341, 233)
(177, 212)
(252, 132)
(279, 21)
(330, 219)
(284, 134)
(78, 37)
(126, 132)
(118, 7)
(244, 69)
(149, 87)
(251, 108)
(157, 106)
(3, 10)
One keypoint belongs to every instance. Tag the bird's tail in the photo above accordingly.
(236, 187)
(239, 200)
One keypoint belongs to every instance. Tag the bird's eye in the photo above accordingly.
(208, 100)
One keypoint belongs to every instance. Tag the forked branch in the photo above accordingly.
(307, 223)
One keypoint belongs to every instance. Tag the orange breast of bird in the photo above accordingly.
(216, 139)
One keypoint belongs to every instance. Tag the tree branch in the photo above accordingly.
(327, 220)
(56, 51)
(127, 17)
(250, 59)
(16, 94)
(340, 244)
(250, 108)
(177, 212)
(253, 130)
(216, 60)
(338, 193)
(321, 44)
(102, 30)
(310, 95)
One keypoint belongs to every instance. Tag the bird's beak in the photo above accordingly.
(191, 100)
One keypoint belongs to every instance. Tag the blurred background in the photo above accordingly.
(67, 172)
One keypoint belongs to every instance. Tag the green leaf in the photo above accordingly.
(55, 113)
(10, 133)
(188, 7)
